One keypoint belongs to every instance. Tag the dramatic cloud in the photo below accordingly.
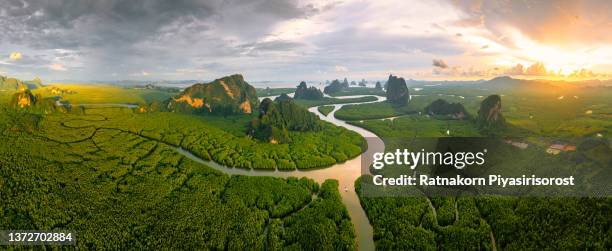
(548, 21)
(295, 40)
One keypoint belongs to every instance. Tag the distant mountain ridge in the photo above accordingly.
(13, 84)
(227, 95)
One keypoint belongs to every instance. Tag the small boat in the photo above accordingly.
(346, 189)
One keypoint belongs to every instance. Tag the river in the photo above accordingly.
(346, 173)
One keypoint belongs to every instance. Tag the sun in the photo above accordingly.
(558, 60)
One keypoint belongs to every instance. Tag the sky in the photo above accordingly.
(294, 40)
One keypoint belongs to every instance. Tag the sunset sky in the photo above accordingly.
(305, 40)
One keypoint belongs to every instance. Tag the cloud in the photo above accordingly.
(516, 70)
(120, 36)
(536, 69)
(15, 56)
(440, 63)
(340, 68)
(57, 67)
(583, 74)
(547, 21)
(298, 39)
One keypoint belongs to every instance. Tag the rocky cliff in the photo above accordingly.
(227, 95)
(490, 113)
(276, 119)
(442, 107)
(397, 91)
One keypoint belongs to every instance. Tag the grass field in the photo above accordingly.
(326, 109)
(328, 101)
(102, 93)
(358, 91)
(265, 92)
(586, 112)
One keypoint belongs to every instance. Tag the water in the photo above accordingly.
(346, 173)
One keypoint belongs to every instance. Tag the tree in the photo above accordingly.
(336, 86)
(305, 92)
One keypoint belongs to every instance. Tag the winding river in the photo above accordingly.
(346, 173)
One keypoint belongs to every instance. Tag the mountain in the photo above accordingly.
(26, 100)
(12, 84)
(397, 91)
(276, 119)
(542, 86)
(23, 99)
(305, 92)
(34, 84)
(490, 114)
(442, 107)
(227, 95)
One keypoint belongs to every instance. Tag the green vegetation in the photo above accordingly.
(373, 111)
(419, 125)
(336, 86)
(378, 86)
(326, 109)
(471, 223)
(442, 107)
(581, 111)
(36, 103)
(385, 109)
(329, 101)
(409, 223)
(490, 118)
(283, 97)
(97, 179)
(276, 119)
(227, 95)
(222, 139)
(305, 92)
(266, 92)
(452, 223)
(101, 93)
(397, 91)
(12, 84)
(535, 223)
(358, 91)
